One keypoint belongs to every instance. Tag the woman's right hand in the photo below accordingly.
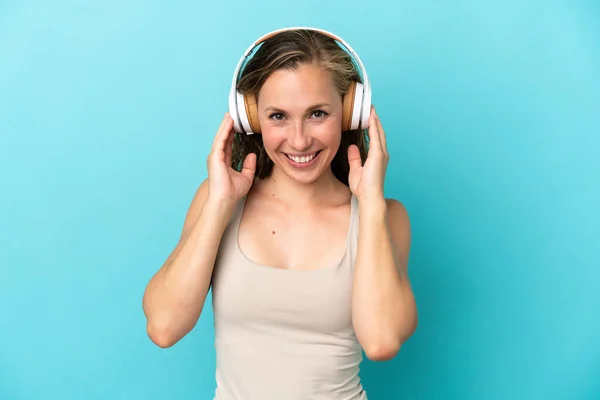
(226, 185)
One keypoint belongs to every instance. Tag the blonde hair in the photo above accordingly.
(288, 50)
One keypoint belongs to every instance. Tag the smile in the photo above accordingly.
(303, 159)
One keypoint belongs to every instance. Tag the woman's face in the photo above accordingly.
(300, 113)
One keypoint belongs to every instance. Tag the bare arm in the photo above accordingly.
(175, 295)
(384, 310)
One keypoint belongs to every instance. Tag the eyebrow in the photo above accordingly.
(315, 106)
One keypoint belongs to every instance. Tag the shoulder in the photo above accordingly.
(396, 211)
(399, 227)
(397, 214)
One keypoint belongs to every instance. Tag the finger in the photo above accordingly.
(374, 137)
(226, 120)
(249, 167)
(225, 132)
(354, 159)
(219, 130)
(382, 137)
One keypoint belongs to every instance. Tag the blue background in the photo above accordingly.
(492, 110)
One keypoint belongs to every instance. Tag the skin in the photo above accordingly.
(295, 202)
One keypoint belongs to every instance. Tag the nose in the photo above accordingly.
(298, 137)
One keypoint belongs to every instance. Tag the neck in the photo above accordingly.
(298, 194)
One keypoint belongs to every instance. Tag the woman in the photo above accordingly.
(301, 285)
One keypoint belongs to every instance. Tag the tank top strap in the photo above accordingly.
(237, 214)
(353, 228)
(230, 234)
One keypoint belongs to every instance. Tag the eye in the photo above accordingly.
(319, 114)
(276, 116)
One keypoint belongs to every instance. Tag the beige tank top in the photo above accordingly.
(284, 334)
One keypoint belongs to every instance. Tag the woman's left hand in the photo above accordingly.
(366, 181)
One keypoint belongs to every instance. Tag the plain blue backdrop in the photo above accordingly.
(492, 111)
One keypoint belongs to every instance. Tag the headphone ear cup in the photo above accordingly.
(358, 106)
(352, 107)
(348, 106)
(251, 107)
(241, 113)
(233, 111)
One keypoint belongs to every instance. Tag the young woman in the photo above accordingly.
(306, 258)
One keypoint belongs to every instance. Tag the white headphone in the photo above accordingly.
(356, 102)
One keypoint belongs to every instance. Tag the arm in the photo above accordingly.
(384, 311)
(175, 295)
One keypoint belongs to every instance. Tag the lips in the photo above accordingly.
(303, 159)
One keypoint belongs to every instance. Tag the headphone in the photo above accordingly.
(356, 103)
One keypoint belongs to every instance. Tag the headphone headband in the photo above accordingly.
(233, 93)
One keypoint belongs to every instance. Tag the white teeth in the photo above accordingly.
(301, 160)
